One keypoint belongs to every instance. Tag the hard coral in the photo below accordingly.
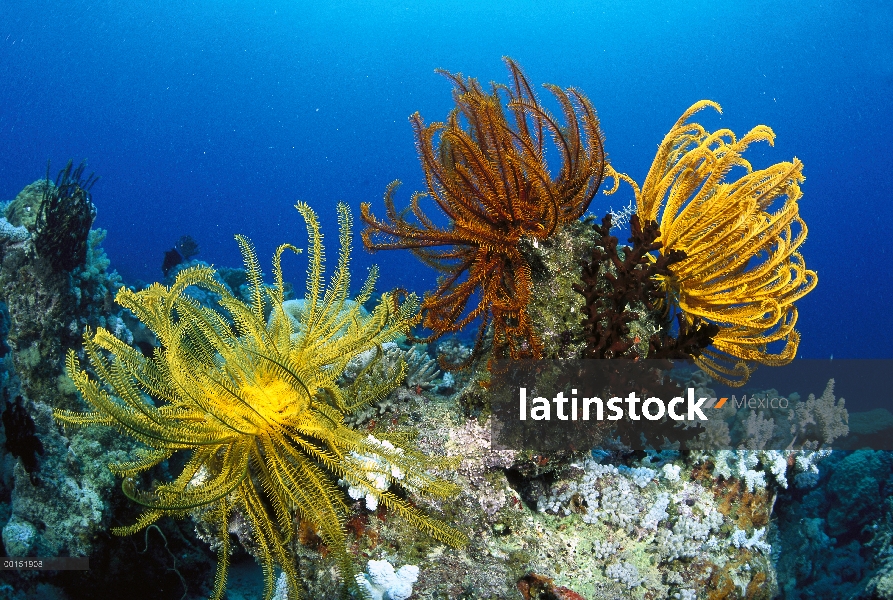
(257, 405)
(488, 174)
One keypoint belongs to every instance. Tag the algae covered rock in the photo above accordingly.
(60, 510)
(555, 308)
(19, 537)
(23, 210)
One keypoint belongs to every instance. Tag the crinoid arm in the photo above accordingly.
(486, 172)
(253, 398)
(741, 238)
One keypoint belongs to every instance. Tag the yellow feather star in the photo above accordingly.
(743, 270)
(256, 404)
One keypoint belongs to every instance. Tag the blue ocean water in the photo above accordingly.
(213, 118)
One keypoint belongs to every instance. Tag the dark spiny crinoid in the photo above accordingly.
(486, 170)
(65, 217)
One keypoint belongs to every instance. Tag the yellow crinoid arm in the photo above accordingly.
(742, 270)
(256, 405)
(327, 313)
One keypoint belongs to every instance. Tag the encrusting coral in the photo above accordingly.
(256, 405)
(742, 270)
(488, 174)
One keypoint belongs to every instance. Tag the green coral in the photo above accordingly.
(23, 210)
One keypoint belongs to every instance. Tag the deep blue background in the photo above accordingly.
(212, 118)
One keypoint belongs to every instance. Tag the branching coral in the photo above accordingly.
(487, 172)
(742, 270)
(619, 290)
(255, 404)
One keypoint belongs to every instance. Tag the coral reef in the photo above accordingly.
(65, 508)
(58, 502)
(314, 437)
(582, 530)
(837, 537)
(256, 405)
(668, 533)
(806, 426)
(854, 488)
(48, 309)
(421, 376)
(11, 233)
(490, 177)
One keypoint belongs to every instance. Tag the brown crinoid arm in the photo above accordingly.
(486, 171)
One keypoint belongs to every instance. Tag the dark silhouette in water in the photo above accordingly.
(172, 258)
(185, 249)
(21, 440)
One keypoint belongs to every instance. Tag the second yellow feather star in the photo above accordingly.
(743, 270)
(256, 404)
